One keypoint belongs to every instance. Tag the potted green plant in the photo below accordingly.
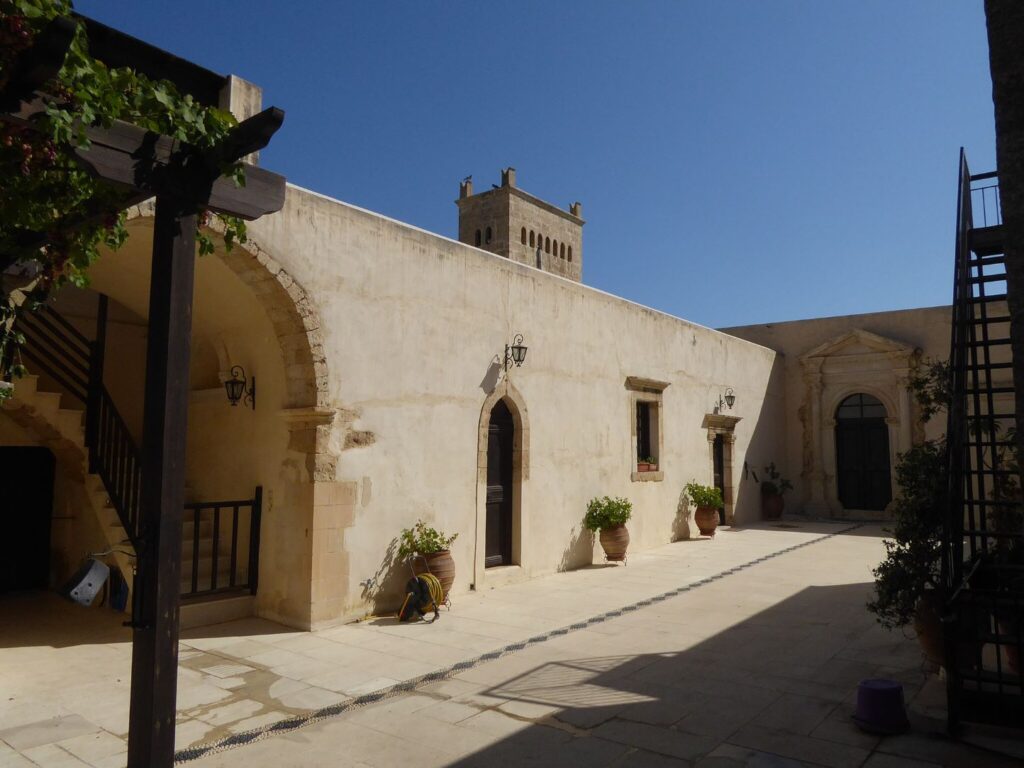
(433, 547)
(708, 500)
(648, 464)
(907, 580)
(772, 489)
(608, 516)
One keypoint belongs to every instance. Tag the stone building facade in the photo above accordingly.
(380, 354)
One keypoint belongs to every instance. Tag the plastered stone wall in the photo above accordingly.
(412, 327)
(827, 359)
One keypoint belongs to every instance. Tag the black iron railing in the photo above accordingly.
(983, 543)
(58, 349)
(221, 550)
(114, 456)
(221, 540)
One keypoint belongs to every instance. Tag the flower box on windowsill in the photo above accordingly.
(646, 466)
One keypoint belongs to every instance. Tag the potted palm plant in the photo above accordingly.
(772, 489)
(608, 516)
(708, 500)
(433, 547)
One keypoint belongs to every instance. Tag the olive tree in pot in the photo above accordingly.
(433, 548)
(708, 500)
(907, 580)
(608, 516)
(772, 489)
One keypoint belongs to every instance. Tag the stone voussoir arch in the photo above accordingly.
(296, 321)
(885, 398)
(299, 332)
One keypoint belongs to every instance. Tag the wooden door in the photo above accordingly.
(862, 454)
(719, 471)
(500, 440)
(26, 509)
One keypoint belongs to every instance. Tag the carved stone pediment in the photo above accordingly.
(858, 343)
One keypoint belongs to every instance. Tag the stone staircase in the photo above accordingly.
(61, 429)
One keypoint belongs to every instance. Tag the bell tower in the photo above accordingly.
(512, 223)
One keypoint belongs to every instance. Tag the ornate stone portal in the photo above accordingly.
(855, 362)
(718, 424)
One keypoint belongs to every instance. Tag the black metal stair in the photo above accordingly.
(984, 530)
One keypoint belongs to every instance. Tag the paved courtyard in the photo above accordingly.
(745, 650)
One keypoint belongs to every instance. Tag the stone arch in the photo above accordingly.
(298, 329)
(857, 389)
(866, 488)
(505, 391)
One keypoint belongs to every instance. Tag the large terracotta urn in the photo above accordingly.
(615, 541)
(707, 520)
(772, 505)
(442, 565)
(928, 628)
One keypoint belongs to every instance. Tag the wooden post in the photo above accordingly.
(165, 423)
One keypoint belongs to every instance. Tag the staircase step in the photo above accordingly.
(205, 548)
(47, 404)
(201, 613)
(25, 387)
(71, 424)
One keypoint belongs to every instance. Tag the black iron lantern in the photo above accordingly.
(237, 389)
(725, 401)
(515, 352)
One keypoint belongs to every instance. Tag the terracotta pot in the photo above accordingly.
(1011, 652)
(614, 541)
(442, 565)
(772, 505)
(643, 466)
(707, 520)
(929, 629)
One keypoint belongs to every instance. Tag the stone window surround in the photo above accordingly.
(643, 390)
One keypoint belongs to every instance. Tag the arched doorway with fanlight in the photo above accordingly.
(863, 462)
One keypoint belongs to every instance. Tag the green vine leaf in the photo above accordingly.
(47, 193)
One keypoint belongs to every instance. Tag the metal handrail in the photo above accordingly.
(233, 512)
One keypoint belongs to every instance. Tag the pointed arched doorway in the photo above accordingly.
(862, 453)
(500, 490)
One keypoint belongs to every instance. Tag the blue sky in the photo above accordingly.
(738, 161)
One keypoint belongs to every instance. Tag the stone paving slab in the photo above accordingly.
(61, 662)
(642, 693)
(787, 677)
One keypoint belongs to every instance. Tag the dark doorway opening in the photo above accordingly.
(26, 509)
(500, 442)
(862, 453)
(718, 454)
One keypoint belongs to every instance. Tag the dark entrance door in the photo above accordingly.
(862, 453)
(718, 451)
(26, 506)
(500, 439)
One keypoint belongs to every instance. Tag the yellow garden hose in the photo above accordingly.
(436, 590)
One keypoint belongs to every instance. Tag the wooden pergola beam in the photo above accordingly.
(138, 161)
(183, 179)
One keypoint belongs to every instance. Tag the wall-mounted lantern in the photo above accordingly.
(515, 352)
(237, 390)
(726, 400)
